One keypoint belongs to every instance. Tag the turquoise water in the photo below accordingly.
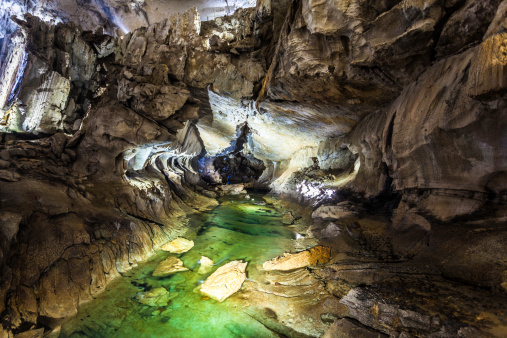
(236, 230)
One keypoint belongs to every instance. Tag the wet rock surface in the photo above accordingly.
(384, 121)
(225, 281)
(179, 245)
(318, 254)
(169, 266)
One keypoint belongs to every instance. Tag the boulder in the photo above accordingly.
(318, 254)
(334, 212)
(332, 230)
(154, 297)
(225, 281)
(179, 245)
(169, 266)
(206, 265)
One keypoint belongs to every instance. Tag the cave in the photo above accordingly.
(253, 168)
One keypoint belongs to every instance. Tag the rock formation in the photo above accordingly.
(318, 254)
(380, 124)
(225, 281)
(206, 265)
(179, 245)
(169, 266)
(156, 297)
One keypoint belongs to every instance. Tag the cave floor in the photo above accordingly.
(238, 229)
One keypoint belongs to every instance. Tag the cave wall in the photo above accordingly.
(443, 135)
(99, 151)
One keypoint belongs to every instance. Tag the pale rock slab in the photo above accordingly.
(225, 281)
(179, 245)
(318, 254)
(206, 265)
(169, 266)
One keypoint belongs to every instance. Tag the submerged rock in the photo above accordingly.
(206, 265)
(179, 245)
(225, 281)
(169, 266)
(318, 254)
(154, 297)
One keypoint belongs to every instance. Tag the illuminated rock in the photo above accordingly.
(169, 266)
(334, 212)
(45, 105)
(206, 265)
(154, 297)
(318, 254)
(225, 281)
(179, 245)
(488, 73)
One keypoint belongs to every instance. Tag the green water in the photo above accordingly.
(235, 230)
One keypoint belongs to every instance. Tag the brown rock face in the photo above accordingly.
(314, 256)
(486, 81)
(397, 105)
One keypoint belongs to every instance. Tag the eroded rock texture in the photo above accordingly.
(350, 108)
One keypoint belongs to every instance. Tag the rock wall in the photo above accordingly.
(397, 104)
(95, 171)
(443, 134)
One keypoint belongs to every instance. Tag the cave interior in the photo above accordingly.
(241, 168)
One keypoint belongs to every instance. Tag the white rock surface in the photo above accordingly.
(227, 280)
(179, 245)
(206, 265)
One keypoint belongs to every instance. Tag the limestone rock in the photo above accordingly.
(45, 103)
(466, 26)
(233, 189)
(9, 176)
(318, 254)
(36, 333)
(383, 316)
(153, 100)
(334, 212)
(499, 24)
(488, 73)
(345, 328)
(225, 281)
(4, 164)
(169, 266)
(154, 297)
(288, 218)
(179, 245)
(206, 265)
